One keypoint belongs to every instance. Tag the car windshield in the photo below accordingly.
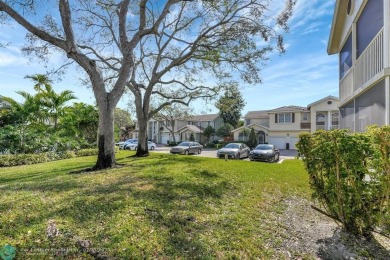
(232, 146)
(263, 147)
(184, 144)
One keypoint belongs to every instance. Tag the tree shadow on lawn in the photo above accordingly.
(173, 206)
(162, 203)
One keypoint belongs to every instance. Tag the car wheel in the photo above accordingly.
(186, 152)
(152, 148)
(199, 151)
(238, 156)
(276, 157)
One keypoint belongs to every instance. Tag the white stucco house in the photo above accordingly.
(182, 128)
(360, 35)
(282, 126)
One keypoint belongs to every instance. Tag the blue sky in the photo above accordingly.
(304, 74)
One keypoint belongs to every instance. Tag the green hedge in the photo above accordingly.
(350, 176)
(25, 159)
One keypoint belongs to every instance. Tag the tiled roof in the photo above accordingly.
(208, 117)
(288, 109)
(192, 128)
(257, 114)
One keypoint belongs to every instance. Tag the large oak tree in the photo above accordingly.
(173, 50)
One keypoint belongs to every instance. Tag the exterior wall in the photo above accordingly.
(367, 109)
(327, 110)
(349, 19)
(296, 126)
(179, 124)
(364, 90)
(260, 121)
(282, 138)
(218, 122)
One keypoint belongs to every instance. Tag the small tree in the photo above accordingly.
(252, 142)
(350, 176)
(225, 131)
(208, 132)
(192, 138)
(230, 106)
(122, 121)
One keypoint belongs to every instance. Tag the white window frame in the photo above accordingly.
(282, 118)
(307, 114)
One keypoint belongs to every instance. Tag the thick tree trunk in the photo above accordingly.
(142, 150)
(106, 141)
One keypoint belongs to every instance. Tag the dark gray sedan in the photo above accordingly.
(187, 148)
(234, 151)
(265, 152)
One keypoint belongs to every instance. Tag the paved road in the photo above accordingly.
(284, 154)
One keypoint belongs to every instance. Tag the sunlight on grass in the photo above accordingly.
(161, 206)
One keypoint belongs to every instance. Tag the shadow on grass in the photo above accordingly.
(171, 203)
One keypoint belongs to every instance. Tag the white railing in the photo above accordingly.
(346, 86)
(370, 62)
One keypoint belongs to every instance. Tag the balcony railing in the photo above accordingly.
(366, 67)
(370, 61)
(346, 86)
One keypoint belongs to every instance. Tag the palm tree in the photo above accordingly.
(51, 102)
(41, 81)
(54, 103)
(23, 115)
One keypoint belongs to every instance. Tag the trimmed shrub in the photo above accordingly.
(350, 175)
(26, 159)
(89, 152)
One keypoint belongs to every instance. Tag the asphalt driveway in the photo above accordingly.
(212, 153)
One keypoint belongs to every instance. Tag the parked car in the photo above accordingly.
(234, 151)
(134, 146)
(265, 152)
(124, 143)
(187, 148)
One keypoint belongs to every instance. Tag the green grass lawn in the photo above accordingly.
(163, 206)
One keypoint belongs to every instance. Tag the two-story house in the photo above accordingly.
(162, 131)
(360, 35)
(282, 126)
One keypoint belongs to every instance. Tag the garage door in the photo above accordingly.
(164, 139)
(294, 141)
(279, 142)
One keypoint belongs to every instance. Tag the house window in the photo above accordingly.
(345, 58)
(305, 117)
(190, 122)
(284, 118)
(335, 120)
(247, 121)
(369, 24)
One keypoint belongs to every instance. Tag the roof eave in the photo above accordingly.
(332, 49)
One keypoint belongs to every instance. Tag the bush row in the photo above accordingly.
(25, 159)
(350, 176)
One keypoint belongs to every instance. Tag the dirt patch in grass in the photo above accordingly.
(308, 233)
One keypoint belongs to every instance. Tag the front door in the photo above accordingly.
(261, 137)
